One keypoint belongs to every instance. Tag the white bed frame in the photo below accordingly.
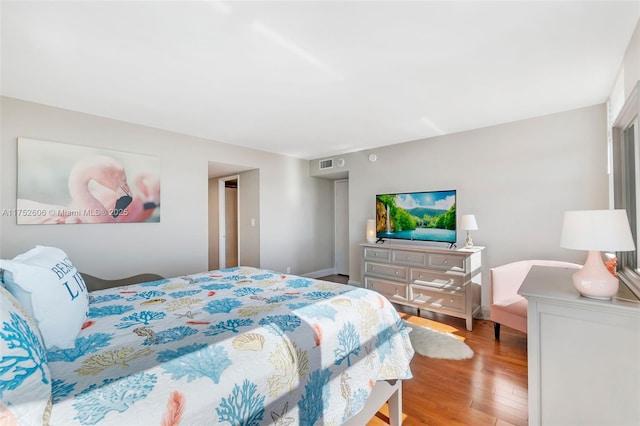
(384, 391)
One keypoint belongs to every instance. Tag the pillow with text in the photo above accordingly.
(51, 290)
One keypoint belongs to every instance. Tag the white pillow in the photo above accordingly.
(51, 290)
(25, 382)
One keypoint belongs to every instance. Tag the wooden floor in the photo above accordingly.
(489, 389)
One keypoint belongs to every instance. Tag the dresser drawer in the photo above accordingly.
(374, 253)
(436, 279)
(386, 270)
(411, 258)
(392, 290)
(446, 262)
(421, 295)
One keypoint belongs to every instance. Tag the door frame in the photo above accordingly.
(222, 219)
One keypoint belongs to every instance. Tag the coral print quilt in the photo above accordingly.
(239, 346)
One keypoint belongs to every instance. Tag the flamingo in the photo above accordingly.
(105, 171)
(143, 205)
(111, 175)
(145, 200)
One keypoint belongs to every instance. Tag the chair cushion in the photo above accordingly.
(507, 301)
(518, 307)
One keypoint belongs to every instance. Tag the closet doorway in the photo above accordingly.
(228, 219)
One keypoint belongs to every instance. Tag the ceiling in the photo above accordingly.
(312, 79)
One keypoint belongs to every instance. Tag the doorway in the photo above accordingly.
(228, 200)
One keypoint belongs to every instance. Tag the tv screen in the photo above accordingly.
(419, 216)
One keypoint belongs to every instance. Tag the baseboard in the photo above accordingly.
(485, 312)
(320, 273)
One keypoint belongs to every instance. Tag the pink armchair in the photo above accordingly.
(507, 306)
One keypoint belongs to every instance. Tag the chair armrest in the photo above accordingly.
(506, 281)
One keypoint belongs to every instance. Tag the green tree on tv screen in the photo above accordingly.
(448, 219)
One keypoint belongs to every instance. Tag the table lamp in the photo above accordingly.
(371, 230)
(468, 223)
(596, 231)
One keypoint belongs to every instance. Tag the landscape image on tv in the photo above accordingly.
(422, 216)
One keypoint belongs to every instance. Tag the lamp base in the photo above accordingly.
(468, 241)
(594, 279)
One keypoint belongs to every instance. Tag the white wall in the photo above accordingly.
(305, 234)
(249, 217)
(627, 78)
(631, 62)
(177, 245)
(517, 178)
(214, 225)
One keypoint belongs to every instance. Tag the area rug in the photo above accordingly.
(435, 344)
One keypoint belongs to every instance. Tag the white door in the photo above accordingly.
(342, 226)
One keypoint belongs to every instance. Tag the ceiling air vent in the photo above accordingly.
(327, 163)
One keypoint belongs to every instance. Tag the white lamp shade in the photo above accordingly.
(371, 230)
(468, 223)
(598, 230)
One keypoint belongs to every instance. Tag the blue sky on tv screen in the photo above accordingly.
(442, 200)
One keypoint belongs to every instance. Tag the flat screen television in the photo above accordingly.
(418, 216)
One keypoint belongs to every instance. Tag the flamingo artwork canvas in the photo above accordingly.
(71, 184)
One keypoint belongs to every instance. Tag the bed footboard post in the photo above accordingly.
(395, 406)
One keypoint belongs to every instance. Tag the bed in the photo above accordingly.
(239, 346)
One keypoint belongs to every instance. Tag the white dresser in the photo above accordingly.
(436, 279)
(583, 354)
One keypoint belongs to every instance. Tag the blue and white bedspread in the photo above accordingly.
(239, 346)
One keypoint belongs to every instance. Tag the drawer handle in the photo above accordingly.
(446, 261)
(396, 273)
(450, 300)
